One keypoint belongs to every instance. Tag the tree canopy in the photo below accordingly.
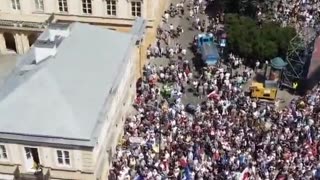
(253, 41)
(243, 7)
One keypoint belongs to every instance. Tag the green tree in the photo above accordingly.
(269, 50)
(249, 40)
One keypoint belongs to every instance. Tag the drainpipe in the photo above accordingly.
(140, 57)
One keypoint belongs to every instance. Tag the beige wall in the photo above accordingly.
(47, 155)
(113, 125)
(149, 9)
(75, 8)
(50, 6)
(28, 13)
(81, 161)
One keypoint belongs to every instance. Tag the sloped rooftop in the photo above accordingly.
(63, 96)
(7, 64)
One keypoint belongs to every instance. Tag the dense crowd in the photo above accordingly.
(226, 136)
(300, 13)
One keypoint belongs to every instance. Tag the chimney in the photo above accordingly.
(59, 30)
(44, 50)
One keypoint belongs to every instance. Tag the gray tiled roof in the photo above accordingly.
(64, 95)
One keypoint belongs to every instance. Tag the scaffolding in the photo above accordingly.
(299, 53)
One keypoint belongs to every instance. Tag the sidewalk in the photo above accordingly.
(150, 36)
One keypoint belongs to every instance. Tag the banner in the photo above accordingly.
(136, 140)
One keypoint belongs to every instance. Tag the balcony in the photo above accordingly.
(28, 23)
(41, 173)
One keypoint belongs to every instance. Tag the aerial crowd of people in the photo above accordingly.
(300, 13)
(227, 135)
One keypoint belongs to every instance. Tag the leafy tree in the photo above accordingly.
(270, 49)
(254, 42)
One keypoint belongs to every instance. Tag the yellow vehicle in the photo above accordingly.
(267, 90)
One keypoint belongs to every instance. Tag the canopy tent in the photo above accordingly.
(278, 63)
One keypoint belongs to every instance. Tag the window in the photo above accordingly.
(39, 5)
(32, 159)
(3, 152)
(63, 5)
(111, 7)
(15, 4)
(86, 7)
(63, 157)
(135, 8)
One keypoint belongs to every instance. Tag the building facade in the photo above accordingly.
(21, 21)
(68, 102)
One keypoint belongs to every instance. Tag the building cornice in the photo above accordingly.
(46, 141)
(16, 24)
(22, 24)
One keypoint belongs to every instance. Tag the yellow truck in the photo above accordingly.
(267, 90)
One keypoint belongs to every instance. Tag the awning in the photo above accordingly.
(278, 63)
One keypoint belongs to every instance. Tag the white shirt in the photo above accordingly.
(166, 16)
(184, 51)
(254, 104)
(226, 82)
(191, 12)
(227, 75)
(197, 20)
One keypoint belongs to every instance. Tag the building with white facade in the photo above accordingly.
(63, 106)
(21, 21)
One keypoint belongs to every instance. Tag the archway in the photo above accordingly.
(10, 42)
(32, 38)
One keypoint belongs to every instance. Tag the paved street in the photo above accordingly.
(186, 40)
